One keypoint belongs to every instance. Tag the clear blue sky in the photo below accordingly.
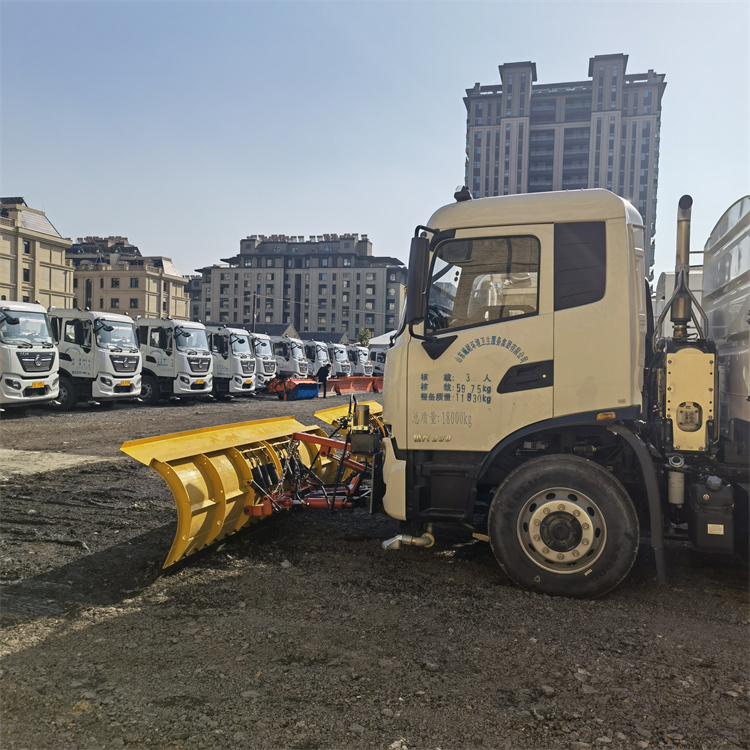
(188, 126)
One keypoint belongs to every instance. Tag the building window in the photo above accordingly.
(26, 274)
(370, 289)
(115, 283)
(346, 261)
(114, 302)
(133, 283)
(133, 302)
(27, 247)
(166, 286)
(269, 262)
(75, 284)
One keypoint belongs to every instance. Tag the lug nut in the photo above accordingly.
(561, 556)
(576, 553)
(545, 550)
(585, 542)
(585, 526)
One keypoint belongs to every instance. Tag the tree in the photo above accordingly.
(363, 337)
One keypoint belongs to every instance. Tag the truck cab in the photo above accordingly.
(341, 367)
(265, 362)
(177, 362)
(317, 356)
(99, 357)
(360, 360)
(233, 361)
(290, 357)
(378, 354)
(28, 356)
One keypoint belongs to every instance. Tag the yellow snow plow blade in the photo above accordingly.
(224, 478)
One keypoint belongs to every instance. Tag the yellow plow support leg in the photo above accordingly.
(210, 474)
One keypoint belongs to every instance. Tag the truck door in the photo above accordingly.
(159, 355)
(75, 348)
(485, 368)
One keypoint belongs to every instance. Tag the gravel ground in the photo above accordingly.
(304, 633)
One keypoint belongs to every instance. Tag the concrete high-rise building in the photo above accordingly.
(525, 137)
(33, 267)
(327, 283)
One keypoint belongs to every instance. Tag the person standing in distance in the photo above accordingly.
(322, 376)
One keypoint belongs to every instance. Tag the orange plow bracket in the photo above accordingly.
(213, 475)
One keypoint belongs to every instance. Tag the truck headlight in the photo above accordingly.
(15, 384)
(106, 381)
(183, 379)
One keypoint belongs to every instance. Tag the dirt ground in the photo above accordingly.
(304, 633)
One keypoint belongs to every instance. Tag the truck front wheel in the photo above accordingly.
(67, 397)
(563, 526)
(150, 393)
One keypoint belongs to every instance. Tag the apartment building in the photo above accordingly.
(111, 274)
(33, 267)
(525, 137)
(325, 283)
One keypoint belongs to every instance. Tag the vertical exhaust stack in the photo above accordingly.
(681, 308)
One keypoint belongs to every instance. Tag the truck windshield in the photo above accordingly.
(241, 345)
(297, 350)
(362, 356)
(190, 338)
(322, 353)
(114, 334)
(262, 347)
(340, 355)
(23, 327)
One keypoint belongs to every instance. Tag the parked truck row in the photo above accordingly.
(65, 357)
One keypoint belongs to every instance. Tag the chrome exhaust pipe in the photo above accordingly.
(426, 540)
(681, 312)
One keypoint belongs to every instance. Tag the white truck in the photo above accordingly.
(265, 362)
(28, 356)
(177, 362)
(317, 356)
(359, 356)
(234, 361)
(378, 353)
(290, 357)
(99, 357)
(341, 367)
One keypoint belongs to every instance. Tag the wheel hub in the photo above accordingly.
(562, 530)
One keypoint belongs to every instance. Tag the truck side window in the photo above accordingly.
(481, 281)
(159, 338)
(580, 263)
(77, 332)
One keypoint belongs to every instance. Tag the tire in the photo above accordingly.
(150, 393)
(67, 396)
(569, 556)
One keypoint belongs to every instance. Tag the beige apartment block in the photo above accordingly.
(33, 266)
(602, 132)
(321, 284)
(151, 288)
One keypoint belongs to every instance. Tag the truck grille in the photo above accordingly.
(199, 364)
(123, 363)
(303, 368)
(36, 361)
(269, 367)
(248, 366)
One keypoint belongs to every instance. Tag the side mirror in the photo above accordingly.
(415, 285)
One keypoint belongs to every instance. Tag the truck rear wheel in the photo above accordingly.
(150, 393)
(67, 397)
(563, 526)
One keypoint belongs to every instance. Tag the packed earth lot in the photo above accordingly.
(304, 633)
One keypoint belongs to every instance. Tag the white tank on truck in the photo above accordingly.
(359, 357)
(317, 356)
(290, 357)
(341, 367)
(265, 362)
(99, 357)
(234, 361)
(28, 356)
(177, 362)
